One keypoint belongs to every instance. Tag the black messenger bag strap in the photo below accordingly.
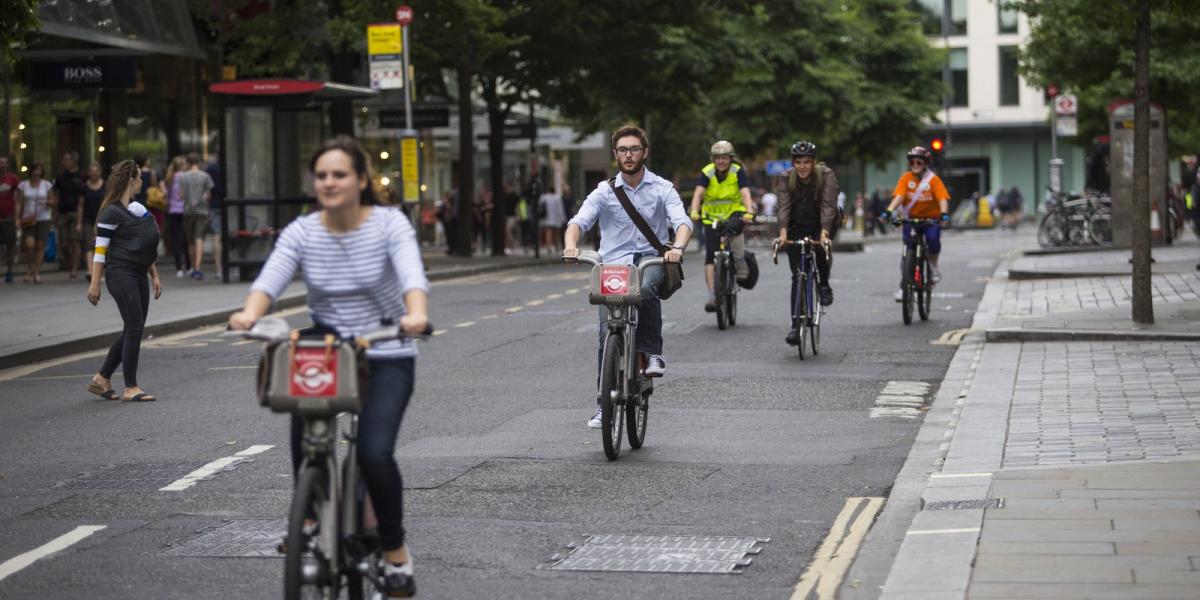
(637, 219)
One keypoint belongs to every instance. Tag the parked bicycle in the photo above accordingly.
(916, 288)
(725, 285)
(623, 390)
(806, 295)
(1076, 220)
(330, 542)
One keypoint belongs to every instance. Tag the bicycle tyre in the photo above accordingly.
(611, 421)
(1100, 226)
(906, 300)
(924, 290)
(1052, 230)
(637, 415)
(721, 293)
(353, 497)
(307, 498)
(802, 318)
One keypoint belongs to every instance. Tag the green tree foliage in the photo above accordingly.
(17, 20)
(1087, 47)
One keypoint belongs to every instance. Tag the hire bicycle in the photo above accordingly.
(725, 285)
(806, 286)
(331, 541)
(916, 288)
(624, 390)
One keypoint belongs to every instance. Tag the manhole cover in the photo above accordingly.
(130, 476)
(235, 539)
(660, 554)
(966, 504)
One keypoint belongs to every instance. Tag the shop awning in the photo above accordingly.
(143, 26)
(321, 90)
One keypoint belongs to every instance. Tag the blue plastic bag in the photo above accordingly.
(51, 246)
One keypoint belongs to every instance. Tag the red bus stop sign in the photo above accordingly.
(404, 14)
(1051, 90)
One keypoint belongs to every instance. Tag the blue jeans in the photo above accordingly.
(933, 237)
(389, 388)
(649, 327)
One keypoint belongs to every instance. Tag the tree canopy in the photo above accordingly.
(1086, 47)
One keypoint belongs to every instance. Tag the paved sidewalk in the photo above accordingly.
(1062, 468)
(41, 322)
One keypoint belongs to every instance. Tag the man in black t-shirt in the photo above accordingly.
(68, 197)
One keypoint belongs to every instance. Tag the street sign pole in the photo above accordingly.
(407, 82)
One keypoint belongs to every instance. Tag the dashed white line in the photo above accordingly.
(464, 324)
(57, 544)
(213, 468)
(554, 296)
(513, 309)
(489, 317)
(233, 368)
(439, 332)
(535, 303)
(572, 291)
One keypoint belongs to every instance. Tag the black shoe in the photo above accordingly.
(826, 295)
(793, 337)
(711, 306)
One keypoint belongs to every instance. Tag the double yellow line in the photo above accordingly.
(828, 567)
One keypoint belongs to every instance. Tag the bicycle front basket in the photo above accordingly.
(615, 284)
(311, 377)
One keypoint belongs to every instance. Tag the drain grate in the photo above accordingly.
(966, 504)
(130, 476)
(234, 539)
(660, 554)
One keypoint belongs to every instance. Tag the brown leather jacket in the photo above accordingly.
(826, 196)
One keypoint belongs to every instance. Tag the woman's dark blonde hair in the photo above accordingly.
(119, 179)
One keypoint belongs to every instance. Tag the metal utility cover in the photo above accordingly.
(235, 539)
(130, 476)
(966, 504)
(660, 554)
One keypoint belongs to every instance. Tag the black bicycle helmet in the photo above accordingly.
(804, 148)
(919, 152)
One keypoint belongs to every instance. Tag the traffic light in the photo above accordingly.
(936, 145)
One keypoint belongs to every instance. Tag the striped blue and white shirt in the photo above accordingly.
(355, 280)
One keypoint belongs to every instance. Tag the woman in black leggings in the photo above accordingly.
(126, 247)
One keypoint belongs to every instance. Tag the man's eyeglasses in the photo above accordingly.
(916, 161)
(621, 150)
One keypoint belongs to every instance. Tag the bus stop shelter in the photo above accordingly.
(270, 128)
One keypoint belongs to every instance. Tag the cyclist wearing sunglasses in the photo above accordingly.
(722, 191)
(807, 209)
(924, 196)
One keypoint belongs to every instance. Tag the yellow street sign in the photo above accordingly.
(384, 38)
(408, 169)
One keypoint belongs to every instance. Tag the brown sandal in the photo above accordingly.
(107, 394)
(139, 397)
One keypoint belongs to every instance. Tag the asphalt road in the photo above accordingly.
(501, 473)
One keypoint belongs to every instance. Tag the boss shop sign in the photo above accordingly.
(112, 72)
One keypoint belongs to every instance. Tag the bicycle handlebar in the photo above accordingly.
(775, 246)
(592, 258)
(276, 330)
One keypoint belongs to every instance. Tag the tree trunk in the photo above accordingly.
(466, 164)
(1143, 309)
(497, 114)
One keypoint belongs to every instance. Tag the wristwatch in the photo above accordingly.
(677, 247)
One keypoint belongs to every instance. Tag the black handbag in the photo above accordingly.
(673, 271)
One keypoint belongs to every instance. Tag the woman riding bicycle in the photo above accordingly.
(362, 266)
(807, 209)
(924, 196)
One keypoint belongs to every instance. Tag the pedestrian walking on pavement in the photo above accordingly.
(195, 187)
(8, 216)
(175, 214)
(362, 266)
(93, 197)
(126, 248)
(33, 196)
(67, 200)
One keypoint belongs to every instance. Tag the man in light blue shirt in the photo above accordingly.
(658, 203)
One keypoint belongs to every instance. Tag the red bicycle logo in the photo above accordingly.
(614, 281)
(313, 374)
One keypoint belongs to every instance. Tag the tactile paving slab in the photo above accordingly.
(660, 554)
(254, 538)
(131, 476)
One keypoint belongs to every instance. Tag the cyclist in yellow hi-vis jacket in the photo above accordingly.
(722, 190)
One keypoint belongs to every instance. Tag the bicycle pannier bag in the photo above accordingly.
(310, 377)
(751, 278)
(615, 284)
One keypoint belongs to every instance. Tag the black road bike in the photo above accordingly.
(624, 389)
(725, 285)
(916, 287)
(331, 542)
(806, 286)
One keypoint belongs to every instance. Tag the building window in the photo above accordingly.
(930, 14)
(958, 77)
(1007, 17)
(1010, 83)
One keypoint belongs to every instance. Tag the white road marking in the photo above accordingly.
(902, 399)
(57, 544)
(439, 332)
(572, 291)
(513, 309)
(234, 368)
(464, 324)
(488, 317)
(243, 342)
(828, 567)
(535, 303)
(213, 468)
(938, 531)
(554, 296)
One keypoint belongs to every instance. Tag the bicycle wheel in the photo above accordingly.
(611, 377)
(906, 300)
(814, 327)
(305, 571)
(353, 495)
(802, 316)
(722, 293)
(731, 301)
(636, 416)
(924, 290)
(1100, 226)
(1052, 231)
